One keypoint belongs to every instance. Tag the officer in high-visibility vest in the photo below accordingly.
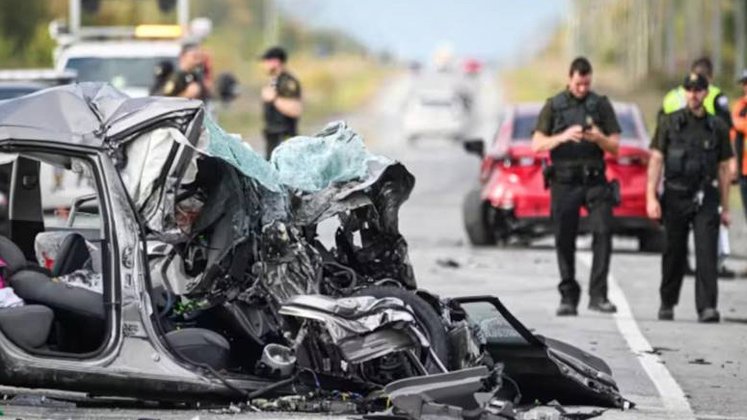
(715, 103)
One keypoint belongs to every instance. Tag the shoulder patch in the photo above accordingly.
(291, 85)
(168, 87)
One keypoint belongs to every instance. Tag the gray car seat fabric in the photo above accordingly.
(12, 254)
(36, 287)
(201, 346)
(73, 255)
(27, 326)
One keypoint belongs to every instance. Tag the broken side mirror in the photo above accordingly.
(227, 87)
(476, 146)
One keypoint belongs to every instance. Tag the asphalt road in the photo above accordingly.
(679, 369)
(671, 370)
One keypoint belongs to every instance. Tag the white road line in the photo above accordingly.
(672, 396)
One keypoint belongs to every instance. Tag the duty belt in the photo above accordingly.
(577, 172)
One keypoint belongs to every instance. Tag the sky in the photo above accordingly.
(492, 30)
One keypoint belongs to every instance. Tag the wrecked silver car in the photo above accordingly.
(167, 261)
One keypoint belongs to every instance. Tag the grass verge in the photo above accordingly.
(331, 87)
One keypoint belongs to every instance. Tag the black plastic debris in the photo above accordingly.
(448, 263)
(658, 350)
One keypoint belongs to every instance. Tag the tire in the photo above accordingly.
(652, 241)
(427, 318)
(475, 220)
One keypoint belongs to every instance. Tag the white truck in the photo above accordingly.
(125, 57)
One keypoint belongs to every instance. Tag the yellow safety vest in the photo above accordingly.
(675, 100)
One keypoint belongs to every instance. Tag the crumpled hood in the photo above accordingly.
(85, 113)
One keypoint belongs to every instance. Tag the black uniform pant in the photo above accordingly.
(273, 140)
(679, 214)
(567, 201)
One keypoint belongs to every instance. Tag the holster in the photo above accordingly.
(615, 194)
(548, 175)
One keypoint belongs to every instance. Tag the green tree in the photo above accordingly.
(24, 40)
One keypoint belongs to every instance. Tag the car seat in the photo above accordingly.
(80, 310)
(200, 346)
(26, 326)
(73, 255)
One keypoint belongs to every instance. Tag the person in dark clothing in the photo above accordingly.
(715, 103)
(281, 100)
(577, 127)
(692, 146)
(187, 81)
(162, 73)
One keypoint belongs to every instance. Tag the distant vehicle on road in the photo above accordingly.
(471, 67)
(512, 203)
(435, 113)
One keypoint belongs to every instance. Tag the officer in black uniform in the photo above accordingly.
(187, 81)
(693, 148)
(281, 100)
(577, 127)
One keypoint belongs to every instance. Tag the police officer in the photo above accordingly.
(715, 103)
(577, 126)
(188, 80)
(281, 100)
(693, 147)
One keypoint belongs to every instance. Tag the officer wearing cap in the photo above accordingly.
(692, 147)
(577, 127)
(281, 100)
(715, 103)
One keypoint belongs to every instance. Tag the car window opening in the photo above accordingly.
(54, 247)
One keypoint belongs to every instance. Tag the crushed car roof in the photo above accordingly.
(88, 114)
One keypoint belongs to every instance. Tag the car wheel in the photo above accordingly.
(474, 211)
(390, 368)
(652, 241)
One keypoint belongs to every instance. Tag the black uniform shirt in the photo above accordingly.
(178, 81)
(699, 124)
(276, 122)
(607, 123)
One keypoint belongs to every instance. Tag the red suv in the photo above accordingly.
(512, 204)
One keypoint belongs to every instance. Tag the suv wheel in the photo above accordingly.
(474, 213)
